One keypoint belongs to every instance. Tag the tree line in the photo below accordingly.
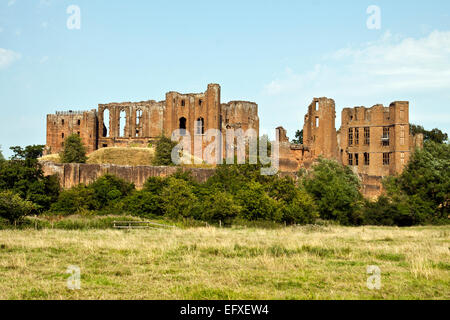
(328, 191)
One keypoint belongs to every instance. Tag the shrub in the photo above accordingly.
(256, 204)
(219, 206)
(75, 200)
(143, 204)
(283, 189)
(179, 200)
(300, 210)
(109, 188)
(13, 207)
(155, 185)
(74, 150)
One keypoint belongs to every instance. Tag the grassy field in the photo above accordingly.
(311, 262)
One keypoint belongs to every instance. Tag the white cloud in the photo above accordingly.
(11, 3)
(392, 68)
(390, 64)
(7, 57)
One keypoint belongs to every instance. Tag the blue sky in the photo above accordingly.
(279, 54)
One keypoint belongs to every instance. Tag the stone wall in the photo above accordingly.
(73, 174)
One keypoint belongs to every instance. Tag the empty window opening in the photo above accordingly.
(138, 121)
(350, 159)
(366, 159)
(62, 121)
(138, 117)
(78, 133)
(79, 122)
(106, 122)
(317, 122)
(385, 138)
(356, 159)
(367, 136)
(122, 123)
(386, 159)
(200, 102)
(350, 136)
(200, 126)
(105, 145)
(316, 105)
(402, 135)
(62, 135)
(183, 126)
(183, 103)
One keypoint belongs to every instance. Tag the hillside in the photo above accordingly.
(120, 156)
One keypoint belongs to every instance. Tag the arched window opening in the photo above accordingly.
(200, 126)
(183, 125)
(122, 123)
(106, 120)
(138, 117)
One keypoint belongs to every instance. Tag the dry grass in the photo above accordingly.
(210, 263)
(51, 158)
(127, 156)
(131, 156)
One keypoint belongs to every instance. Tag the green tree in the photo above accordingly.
(163, 153)
(425, 181)
(179, 200)
(298, 137)
(335, 189)
(13, 207)
(435, 135)
(23, 175)
(256, 203)
(74, 151)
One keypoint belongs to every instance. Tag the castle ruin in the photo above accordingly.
(375, 142)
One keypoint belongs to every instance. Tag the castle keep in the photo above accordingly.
(138, 123)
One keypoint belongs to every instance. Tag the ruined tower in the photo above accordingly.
(319, 131)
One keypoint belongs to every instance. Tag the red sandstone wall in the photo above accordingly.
(73, 174)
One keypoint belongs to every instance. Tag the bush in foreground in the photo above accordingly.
(13, 207)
